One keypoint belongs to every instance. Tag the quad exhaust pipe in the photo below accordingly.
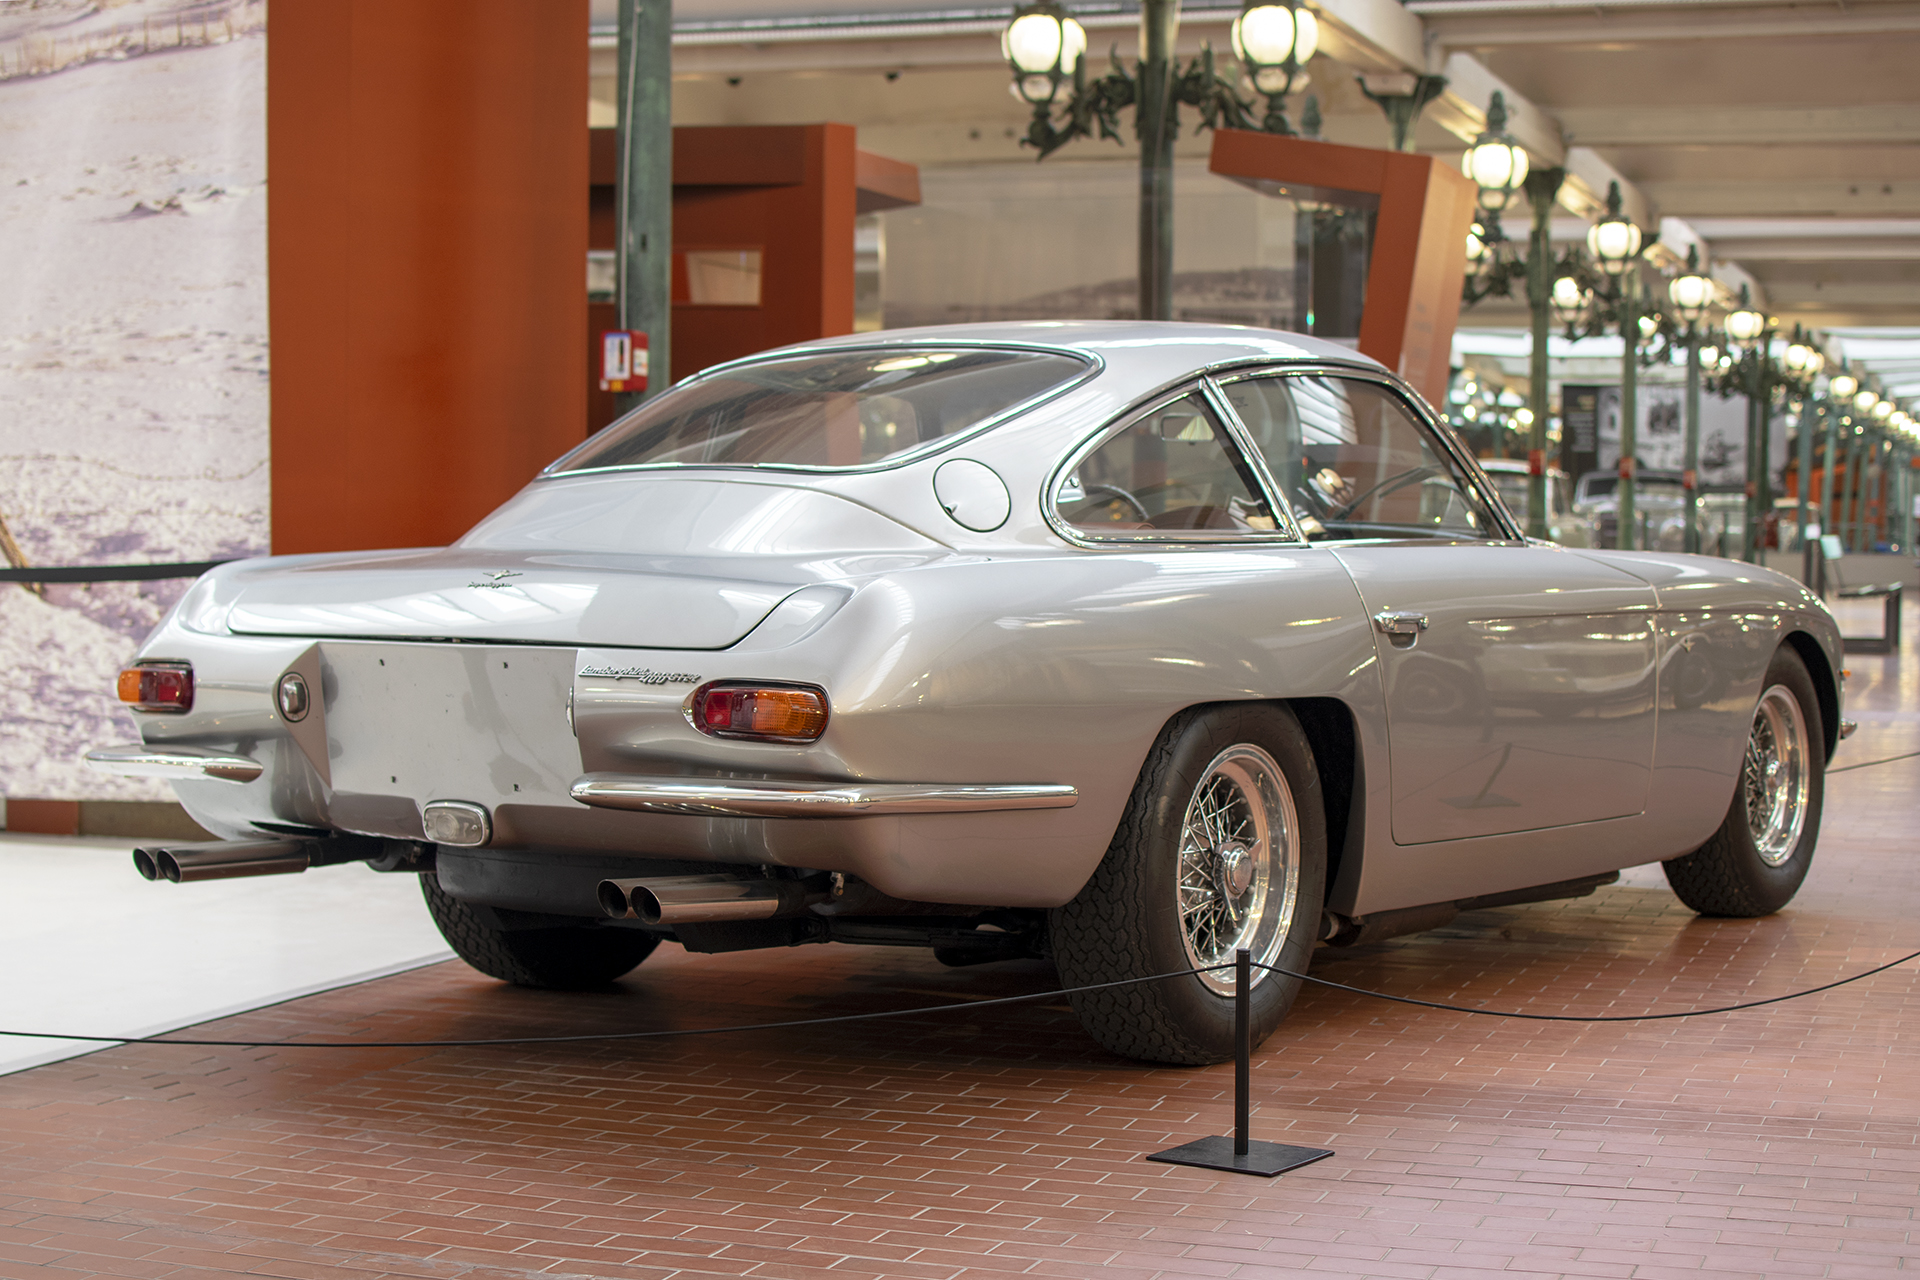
(223, 860)
(706, 899)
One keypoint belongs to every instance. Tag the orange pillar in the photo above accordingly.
(426, 261)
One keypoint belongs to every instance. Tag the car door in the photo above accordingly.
(1518, 678)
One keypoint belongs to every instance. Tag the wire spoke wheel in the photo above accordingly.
(1755, 862)
(1777, 775)
(1239, 864)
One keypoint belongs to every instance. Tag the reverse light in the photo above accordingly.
(157, 686)
(763, 713)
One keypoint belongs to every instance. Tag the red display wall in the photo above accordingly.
(426, 242)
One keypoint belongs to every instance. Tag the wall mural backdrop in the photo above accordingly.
(133, 344)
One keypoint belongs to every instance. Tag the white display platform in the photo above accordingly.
(90, 947)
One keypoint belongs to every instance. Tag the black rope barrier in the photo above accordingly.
(673, 1032)
(615, 1035)
(1864, 764)
(1593, 1017)
(114, 572)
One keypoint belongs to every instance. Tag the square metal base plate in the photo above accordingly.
(1266, 1159)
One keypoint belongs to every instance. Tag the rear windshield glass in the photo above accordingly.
(842, 409)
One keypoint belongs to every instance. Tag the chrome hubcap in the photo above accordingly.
(1777, 776)
(1239, 864)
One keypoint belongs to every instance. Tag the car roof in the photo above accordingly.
(1142, 352)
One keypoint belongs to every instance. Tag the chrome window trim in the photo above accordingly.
(1276, 497)
(1095, 366)
(1422, 413)
(1170, 538)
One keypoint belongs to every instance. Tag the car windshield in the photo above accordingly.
(837, 410)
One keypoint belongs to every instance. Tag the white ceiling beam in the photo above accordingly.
(1483, 26)
(1770, 125)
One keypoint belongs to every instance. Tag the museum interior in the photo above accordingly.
(495, 489)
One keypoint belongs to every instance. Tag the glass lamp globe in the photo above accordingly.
(1799, 356)
(1614, 240)
(1476, 243)
(1843, 386)
(1273, 41)
(1710, 356)
(1883, 410)
(1649, 326)
(1571, 300)
(1864, 400)
(1043, 45)
(1746, 325)
(1691, 295)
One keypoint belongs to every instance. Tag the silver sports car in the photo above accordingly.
(1123, 644)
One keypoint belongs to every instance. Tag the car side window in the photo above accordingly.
(1172, 474)
(1355, 462)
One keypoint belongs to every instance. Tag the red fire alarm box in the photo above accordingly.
(623, 360)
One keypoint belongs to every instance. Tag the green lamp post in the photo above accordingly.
(1692, 295)
(1615, 243)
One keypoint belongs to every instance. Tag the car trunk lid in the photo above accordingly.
(451, 594)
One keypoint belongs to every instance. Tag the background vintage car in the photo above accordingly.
(1126, 644)
(1565, 526)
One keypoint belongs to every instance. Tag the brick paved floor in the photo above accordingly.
(1784, 1142)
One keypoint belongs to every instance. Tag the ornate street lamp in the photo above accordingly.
(1803, 360)
(1748, 329)
(1615, 243)
(1274, 42)
(1499, 168)
(1692, 294)
(1496, 163)
(1843, 385)
(1045, 50)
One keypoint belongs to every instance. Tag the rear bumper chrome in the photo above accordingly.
(739, 798)
(139, 761)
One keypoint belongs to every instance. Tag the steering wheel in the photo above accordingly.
(1412, 475)
(1115, 493)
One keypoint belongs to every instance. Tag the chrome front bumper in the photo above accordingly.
(193, 763)
(713, 797)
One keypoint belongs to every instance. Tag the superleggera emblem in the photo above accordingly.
(496, 579)
(643, 674)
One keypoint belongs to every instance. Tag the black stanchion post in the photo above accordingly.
(1240, 1153)
(1242, 1049)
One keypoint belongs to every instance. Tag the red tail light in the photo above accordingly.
(765, 713)
(157, 686)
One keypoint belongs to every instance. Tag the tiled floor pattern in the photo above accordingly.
(1782, 1142)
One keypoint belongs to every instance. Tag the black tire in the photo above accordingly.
(568, 958)
(1127, 922)
(1732, 874)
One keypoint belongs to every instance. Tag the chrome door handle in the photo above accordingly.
(1400, 624)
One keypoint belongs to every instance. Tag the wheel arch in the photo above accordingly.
(1826, 686)
(1333, 736)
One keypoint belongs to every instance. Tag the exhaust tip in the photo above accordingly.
(613, 899)
(645, 903)
(144, 864)
(169, 866)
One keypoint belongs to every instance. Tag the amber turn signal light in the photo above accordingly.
(765, 713)
(157, 686)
